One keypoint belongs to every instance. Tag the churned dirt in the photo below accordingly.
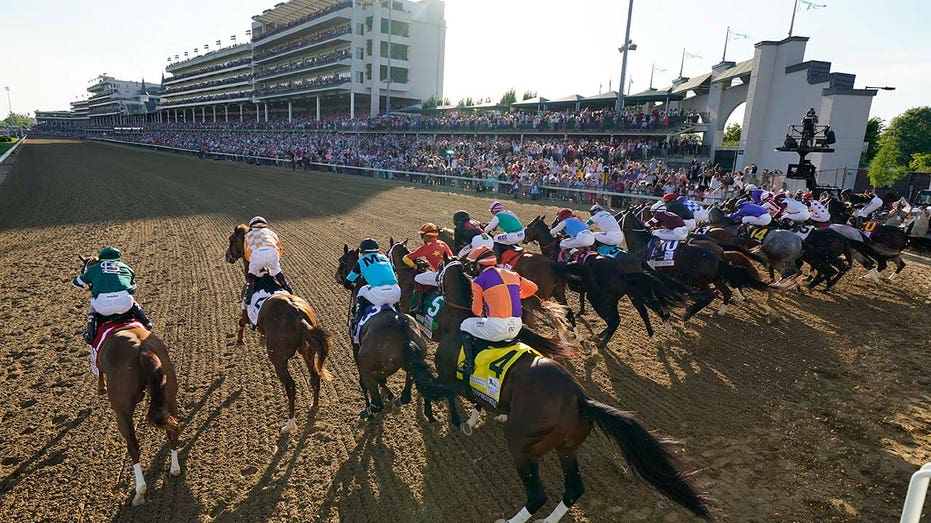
(821, 416)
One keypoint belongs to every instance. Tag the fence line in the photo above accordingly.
(9, 151)
(426, 177)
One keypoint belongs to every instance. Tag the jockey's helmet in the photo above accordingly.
(669, 196)
(482, 256)
(564, 213)
(750, 187)
(596, 209)
(109, 253)
(429, 229)
(658, 206)
(368, 245)
(460, 217)
(258, 220)
(496, 207)
(808, 196)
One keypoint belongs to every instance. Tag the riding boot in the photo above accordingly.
(361, 305)
(136, 311)
(416, 299)
(283, 282)
(468, 347)
(91, 331)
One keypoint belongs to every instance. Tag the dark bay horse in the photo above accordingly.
(605, 281)
(780, 250)
(547, 409)
(290, 326)
(134, 362)
(387, 343)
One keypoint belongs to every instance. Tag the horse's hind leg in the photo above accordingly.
(281, 369)
(124, 421)
(529, 471)
(405, 396)
(314, 377)
(725, 295)
(568, 459)
(373, 403)
(701, 299)
(389, 395)
(899, 265)
(644, 315)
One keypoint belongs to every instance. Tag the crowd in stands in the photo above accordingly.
(305, 41)
(208, 98)
(316, 14)
(208, 69)
(303, 63)
(304, 84)
(212, 83)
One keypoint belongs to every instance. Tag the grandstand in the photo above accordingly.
(120, 102)
(220, 81)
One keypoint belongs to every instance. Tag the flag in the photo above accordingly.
(737, 36)
(218, 43)
(176, 57)
(690, 55)
(659, 69)
(233, 38)
(810, 5)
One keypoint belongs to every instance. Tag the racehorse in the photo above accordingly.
(779, 250)
(605, 281)
(289, 326)
(547, 409)
(387, 342)
(133, 361)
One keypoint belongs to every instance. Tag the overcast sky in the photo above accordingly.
(53, 47)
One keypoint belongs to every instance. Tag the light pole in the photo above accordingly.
(628, 46)
(390, 30)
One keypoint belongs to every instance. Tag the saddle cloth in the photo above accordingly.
(510, 256)
(103, 334)
(258, 299)
(758, 233)
(370, 312)
(491, 368)
(869, 227)
(662, 253)
(609, 251)
(430, 309)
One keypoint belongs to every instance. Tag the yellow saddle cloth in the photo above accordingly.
(491, 367)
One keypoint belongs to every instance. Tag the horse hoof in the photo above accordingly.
(175, 471)
(139, 499)
(466, 429)
(501, 418)
(289, 426)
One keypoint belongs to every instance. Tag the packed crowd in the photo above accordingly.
(212, 83)
(304, 84)
(208, 69)
(316, 14)
(209, 98)
(302, 63)
(303, 42)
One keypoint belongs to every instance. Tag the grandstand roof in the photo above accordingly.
(285, 12)
(699, 84)
(532, 102)
(743, 69)
(653, 95)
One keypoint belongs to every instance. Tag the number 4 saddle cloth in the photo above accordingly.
(491, 368)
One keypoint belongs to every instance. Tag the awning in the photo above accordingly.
(652, 95)
(566, 100)
(741, 70)
(531, 103)
(286, 12)
(699, 84)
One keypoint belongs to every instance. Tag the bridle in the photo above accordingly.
(440, 276)
(544, 247)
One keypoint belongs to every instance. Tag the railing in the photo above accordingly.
(205, 85)
(915, 499)
(306, 63)
(315, 38)
(317, 83)
(301, 20)
(218, 67)
(210, 98)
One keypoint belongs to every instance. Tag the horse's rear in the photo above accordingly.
(383, 350)
(135, 362)
(290, 326)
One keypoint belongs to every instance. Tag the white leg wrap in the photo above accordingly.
(874, 275)
(289, 426)
(501, 418)
(175, 467)
(522, 516)
(740, 295)
(892, 276)
(140, 485)
(473, 417)
(723, 310)
(557, 513)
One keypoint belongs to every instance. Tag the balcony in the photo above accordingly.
(216, 98)
(303, 43)
(303, 86)
(304, 65)
(304, 22)
(203, 86)
(206, 70)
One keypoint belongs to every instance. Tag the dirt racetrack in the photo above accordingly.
(822, 416)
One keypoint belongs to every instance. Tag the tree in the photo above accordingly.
(528, 95)
(509, 97)
(874, 128)
(921, 162)
(429, 103)
(465, 102)
(908, 133)
(18, 120)
(731, 136)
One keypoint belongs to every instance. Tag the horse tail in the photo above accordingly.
(155, 380)
(549, 347)
(415, 363)
(646, 455)
(670, 282)
(740, 277)
(551, 313)
(319, 342)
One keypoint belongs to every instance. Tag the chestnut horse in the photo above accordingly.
(289, 326)
(132, 362)
(547, 409)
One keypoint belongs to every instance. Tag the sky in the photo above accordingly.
(52, 48)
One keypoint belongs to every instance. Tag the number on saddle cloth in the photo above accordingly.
(432, 304)
(491, 368)
(610, 251)
(868, 228)
(662, 252)
(758, 233)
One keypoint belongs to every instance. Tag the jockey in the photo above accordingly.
(760, 196)
(432, 251)
(670, 226)
(818, 212)
(750, 214)
(381, 283)
(874, 205)
(262, 250)
(678, 208)
(793, 210)
(579, 235)
(464, 230)
(496, 293)
(508, 222)
(698, 212)
(610, 230)
(112, 284)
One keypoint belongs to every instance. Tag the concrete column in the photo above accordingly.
(226, 113)
(352, 104)
(266, 111)
(318, 108)
(256, 112)
(289, 111)
(214, 114)
(203, 114)
(240, 113)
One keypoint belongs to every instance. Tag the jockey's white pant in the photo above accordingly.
(110, 303)
(510, 238)
(874, 205)
(798, 217)
(690, 224)
(701, 216)
(610, 238)
(492, 329)
(381, 295)
(262, 258)
(582, 239)
(678, 234)
(479, 240)
(760, 221)
(426, 278)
